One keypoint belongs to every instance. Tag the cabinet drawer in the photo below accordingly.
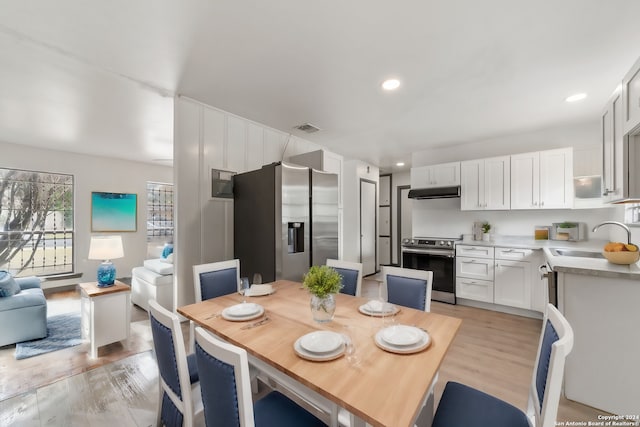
(512, 253)
(474, 251)
(479, 290)
(474, 268)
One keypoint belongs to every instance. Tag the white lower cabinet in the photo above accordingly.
(478, 290)
(474, 268)
(500, 275)
(512, 283)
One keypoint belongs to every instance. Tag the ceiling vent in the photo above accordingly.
(307, 127)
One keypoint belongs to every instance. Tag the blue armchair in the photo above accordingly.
(23, 316)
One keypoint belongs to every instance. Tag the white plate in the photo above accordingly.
(314, 357)
(320, 342)
(260, 290)
(236, 314)
(425, 341)
(364, 309)
(401, 335)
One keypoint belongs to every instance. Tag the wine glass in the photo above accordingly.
(244, 285)
(257, 279)
(350, 351)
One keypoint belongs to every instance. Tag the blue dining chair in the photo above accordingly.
(226, 390)
(216, 279)
(461, 405)
(213, 280)
(180, 402)
(351, 273)
(408, 287)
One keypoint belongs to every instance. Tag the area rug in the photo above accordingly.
(63, 331)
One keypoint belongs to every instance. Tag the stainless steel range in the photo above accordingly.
(435, 254)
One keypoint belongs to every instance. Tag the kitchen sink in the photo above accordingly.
(576, 253)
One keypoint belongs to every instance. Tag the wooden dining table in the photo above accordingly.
(380, 388)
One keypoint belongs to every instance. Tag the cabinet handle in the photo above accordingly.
(606, 192)
(469, 262)
(541, 203)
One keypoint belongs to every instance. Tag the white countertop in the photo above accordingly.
(565, 264)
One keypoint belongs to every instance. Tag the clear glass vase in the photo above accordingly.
(323, 308)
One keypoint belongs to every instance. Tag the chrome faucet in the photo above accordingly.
(614, 223)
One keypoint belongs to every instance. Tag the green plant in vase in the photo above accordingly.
(323, 282)
(486, 227)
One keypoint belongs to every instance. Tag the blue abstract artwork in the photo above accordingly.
(113, 211)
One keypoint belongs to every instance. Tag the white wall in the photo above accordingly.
(574, 135)
(354, 170)
(207, 138)
(444, 218)
(93, 173)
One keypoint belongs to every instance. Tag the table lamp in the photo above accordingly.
(106, 248)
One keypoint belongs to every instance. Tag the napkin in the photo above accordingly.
(260, 290)
(378, 306)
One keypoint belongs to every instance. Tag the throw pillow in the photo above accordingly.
(8, 286)
(168, 259)
(167, 250)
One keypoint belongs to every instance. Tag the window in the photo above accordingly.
(36, 216)
(159, 212)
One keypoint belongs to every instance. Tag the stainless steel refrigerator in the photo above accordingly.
(285, 220)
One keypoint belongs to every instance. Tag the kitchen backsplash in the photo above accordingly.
(443, 218)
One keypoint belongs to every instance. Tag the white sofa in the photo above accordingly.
(154, 280)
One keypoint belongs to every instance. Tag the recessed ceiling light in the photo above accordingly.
(391, 84)
(576, 97)
(400, 164)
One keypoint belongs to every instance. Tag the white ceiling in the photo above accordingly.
(98, 77)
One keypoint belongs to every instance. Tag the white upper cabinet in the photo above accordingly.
(542, 180)
(443, 175)
(485, 184)
(556, 179)
(612, 149)
(631, 98)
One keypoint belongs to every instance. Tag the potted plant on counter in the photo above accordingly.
(323, 282)
(486, 227)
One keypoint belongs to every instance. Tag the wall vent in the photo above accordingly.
(307, 127)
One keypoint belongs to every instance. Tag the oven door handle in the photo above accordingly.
(428, 252)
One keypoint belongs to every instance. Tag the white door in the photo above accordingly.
(405, 205)
(368, 235)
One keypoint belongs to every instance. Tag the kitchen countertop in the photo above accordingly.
(565, 264)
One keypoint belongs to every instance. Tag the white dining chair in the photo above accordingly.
(408, 287)
(180, 402)
(226, 390)
(461, 405)
(351, 273)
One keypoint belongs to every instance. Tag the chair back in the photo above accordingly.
(224, 381)
(556, 342)
(177, 403)
(408, 287)
(351, 273)
(216, 279)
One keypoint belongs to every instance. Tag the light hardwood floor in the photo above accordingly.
(493, 352)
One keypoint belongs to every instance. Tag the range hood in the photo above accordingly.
(434, 193)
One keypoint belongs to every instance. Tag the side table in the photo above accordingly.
(106, 314)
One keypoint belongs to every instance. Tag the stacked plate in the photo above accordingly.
(319, 346)
(378, 308)
(402, 339)
(242, 312)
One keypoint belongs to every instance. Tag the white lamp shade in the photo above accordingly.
(106, 247)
